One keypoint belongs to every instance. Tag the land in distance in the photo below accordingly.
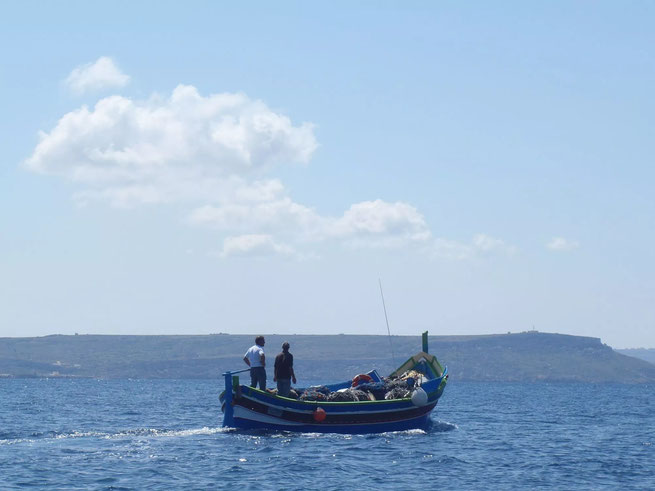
(528, 356)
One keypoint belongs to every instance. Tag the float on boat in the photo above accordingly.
(368, 403)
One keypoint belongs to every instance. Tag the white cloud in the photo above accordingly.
(158, 150)
(274, 215)
(485, 243)
(379, 224)
(99, 75)
(255, 245)
(480, 244)
(561, 244)
(367, 224)
(381, 218)
(180, 186)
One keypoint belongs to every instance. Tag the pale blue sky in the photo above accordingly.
(490, 162)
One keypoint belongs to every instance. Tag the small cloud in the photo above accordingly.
(480, 244)
(379, 223)
(254, 245)
(99, 75)
(561, 244)
(485, 243)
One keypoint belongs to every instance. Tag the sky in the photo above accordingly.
(263, 167)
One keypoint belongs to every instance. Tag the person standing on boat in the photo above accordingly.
(256, 360)
(283, 371)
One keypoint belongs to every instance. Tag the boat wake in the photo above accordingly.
(435, 427)
(152, 432)
(442, 426)
(139, 432)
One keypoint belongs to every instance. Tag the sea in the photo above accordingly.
(166, 434)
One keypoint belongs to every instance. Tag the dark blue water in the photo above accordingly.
(136, 434)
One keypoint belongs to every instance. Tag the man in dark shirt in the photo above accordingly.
(283, 372)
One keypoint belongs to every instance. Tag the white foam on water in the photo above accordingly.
(153, 432)
(313, 435)
(443, 426)
(61, 436)
(190, 432)
(405, 432)
(14, 441)
(79, 434)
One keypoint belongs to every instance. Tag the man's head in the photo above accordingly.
(285, 347)
(259, 341)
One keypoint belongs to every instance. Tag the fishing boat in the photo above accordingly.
(366, 404)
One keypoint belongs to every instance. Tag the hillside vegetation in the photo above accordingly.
(529, 356)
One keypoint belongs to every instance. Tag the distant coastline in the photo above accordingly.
(520, 357)
(646, 354)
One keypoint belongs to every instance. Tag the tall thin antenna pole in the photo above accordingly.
(387, 320)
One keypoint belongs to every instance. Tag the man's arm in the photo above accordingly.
(293, 374)
(262, 357)
(245, 358)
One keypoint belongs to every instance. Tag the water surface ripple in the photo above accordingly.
(166, 434)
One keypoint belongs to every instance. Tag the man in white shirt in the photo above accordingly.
(256, 360)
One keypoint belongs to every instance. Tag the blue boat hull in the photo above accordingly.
(422, 422)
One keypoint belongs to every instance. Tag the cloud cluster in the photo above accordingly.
(99, 75)
(185, 137)
(366, 224)
(215, 154)
(560, 244)
(255, 245)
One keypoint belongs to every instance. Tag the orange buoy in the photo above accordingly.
(362, 378)
(319, 414)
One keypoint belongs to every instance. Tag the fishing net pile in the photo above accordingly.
(347, 395)
(319, 393)
(389, 388)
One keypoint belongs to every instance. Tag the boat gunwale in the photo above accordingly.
(275, 397)
(330, 403)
